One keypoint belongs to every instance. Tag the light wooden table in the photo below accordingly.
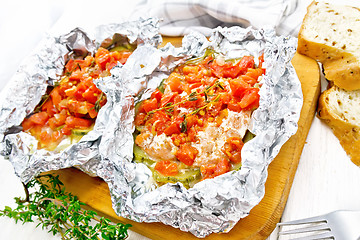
(325, 180)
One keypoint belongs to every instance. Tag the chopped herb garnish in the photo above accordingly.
(183, 126)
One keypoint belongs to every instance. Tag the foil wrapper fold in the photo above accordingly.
(212, 205)
(44, 69)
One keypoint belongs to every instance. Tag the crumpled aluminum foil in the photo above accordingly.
(44, 69)
(212, 205)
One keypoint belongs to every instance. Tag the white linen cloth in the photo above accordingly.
(179, 17)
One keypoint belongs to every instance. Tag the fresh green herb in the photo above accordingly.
(198, 60)
(61, 212)
(192, 97)
(192, 94)
(78, 66)
(220, 86)
(43, 100)
(183, 126)
(98, 102)
(161, 86)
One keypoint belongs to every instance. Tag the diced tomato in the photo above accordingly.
(75, 122)
(234, 105)
(69, 66)
(222, 167)
(215, 108)
(157, 94)
(223, 114)
(158, 122)
(78, 64)
(254, 73)
(91, 110)
(248, 79)
(66, 130)
(55, 96)
(191, 120)
(39, 118)
(191, 103)
(225, 97)
(261, 61)
(76, 75)
(91, 94)
(83, 123)
(166, 98)
(102, 57)
(174, 128)
(192, 132)
(49, 107)
(161, 116)
(187, 69)
(150, 105)
(192, 78)
(225, 70)
(195, 85)
(80, 89)
(230, 71)
(56, 136)
(250, 98)
(238, 86)
(57, 121)
(186, 154)
(167, 168)
(53, 123)
(207, 171)
(209, 81)
(45, 137)
(245, 63)
(140, 119)
(232, 149)
(112, 63)
(124, 55)
(27, 124)
(212, 170)
(174, 81)
(77, 107)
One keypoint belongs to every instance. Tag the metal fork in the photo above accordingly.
(338, 225)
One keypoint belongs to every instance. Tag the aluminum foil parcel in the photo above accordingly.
(210, 206)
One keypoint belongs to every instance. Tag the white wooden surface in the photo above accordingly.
(326, 180)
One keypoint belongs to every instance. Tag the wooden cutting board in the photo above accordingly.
(263, 217)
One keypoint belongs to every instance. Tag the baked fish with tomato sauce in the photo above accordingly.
(195, 123)
(69, 110)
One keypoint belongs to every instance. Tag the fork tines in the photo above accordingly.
(312, 225)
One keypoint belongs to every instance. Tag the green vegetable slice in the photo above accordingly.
(188, 177)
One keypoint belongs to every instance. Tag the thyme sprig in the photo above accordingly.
(193, 96)
(61, 212)
(97, 105)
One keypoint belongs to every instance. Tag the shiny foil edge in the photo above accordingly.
(213, 205)
(29, 84)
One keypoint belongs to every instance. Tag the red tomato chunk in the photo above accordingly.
(75, 102)
(196, 95)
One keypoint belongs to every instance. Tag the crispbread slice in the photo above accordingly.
(340, 109)
(330, 34)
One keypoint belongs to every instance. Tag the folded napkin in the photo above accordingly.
(179, 17)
